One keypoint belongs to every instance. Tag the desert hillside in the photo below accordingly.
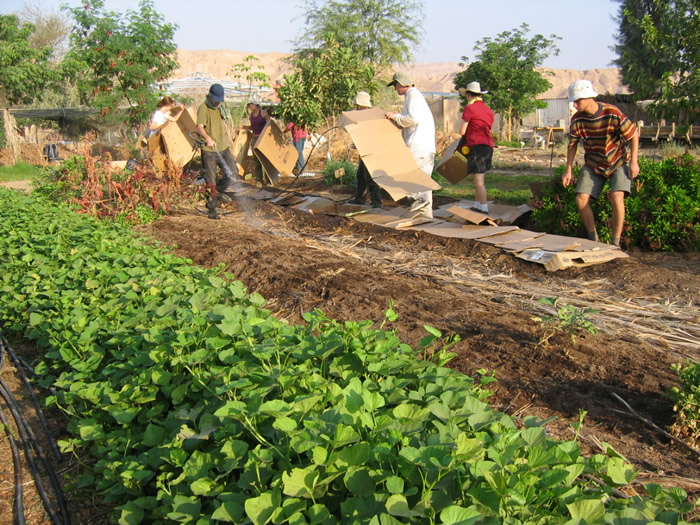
(429, 77)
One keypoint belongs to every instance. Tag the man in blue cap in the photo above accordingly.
(211, 125)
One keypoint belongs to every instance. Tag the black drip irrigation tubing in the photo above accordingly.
(32, 447)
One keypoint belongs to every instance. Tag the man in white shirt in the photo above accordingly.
(418, 128)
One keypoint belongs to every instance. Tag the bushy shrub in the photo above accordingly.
(332, 175)
(686, 402)
(662, 211)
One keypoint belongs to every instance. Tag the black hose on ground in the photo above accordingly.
(33, 451)
(17, 462)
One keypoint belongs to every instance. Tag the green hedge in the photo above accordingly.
(190, 403)
(662, 211)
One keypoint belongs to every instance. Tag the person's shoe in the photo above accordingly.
(376, 203)
(357, 200)
(213, 214)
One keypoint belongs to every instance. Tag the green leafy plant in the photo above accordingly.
(568, 320)
(662, 212)
(686, 399)
(189, 402)
(340, 172)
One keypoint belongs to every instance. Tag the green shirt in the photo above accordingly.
(214, 125)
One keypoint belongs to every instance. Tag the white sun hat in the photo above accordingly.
(581, 89)
(362, 99)
(472, 87)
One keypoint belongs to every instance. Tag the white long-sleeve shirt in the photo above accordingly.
(418, 124)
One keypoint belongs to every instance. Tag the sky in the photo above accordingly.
(452, 27)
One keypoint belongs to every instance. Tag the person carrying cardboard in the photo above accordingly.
(607, 134)
(477, 120)
(365, 182)
(418, 129)
(211, 126)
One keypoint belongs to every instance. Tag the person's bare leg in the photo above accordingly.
(480, 188)
(617, 200)
(584, 209)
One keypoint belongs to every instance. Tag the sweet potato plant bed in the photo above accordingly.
(647, 320)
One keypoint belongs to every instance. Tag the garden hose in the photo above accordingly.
(32, 452)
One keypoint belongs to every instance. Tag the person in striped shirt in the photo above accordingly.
(611, 146)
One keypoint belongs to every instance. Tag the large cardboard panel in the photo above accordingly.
(513, 236)
(472, 216)
(452, 165)
(553, 261)
(381, 147)
(275, 153)
(469, 231)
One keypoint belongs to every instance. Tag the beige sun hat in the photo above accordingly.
(362, 99)
(401, 77)
(472, 87)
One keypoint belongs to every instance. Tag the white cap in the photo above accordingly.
(362, 99)
(472, 87)
(581, 89)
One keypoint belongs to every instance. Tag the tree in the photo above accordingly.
(505, 66)
(252, 72)
(322, 85)
(382, 32)
(658, 46)
(118, 58)
(24, 69)
(51, 29)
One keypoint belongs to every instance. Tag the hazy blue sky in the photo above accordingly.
(452, 26)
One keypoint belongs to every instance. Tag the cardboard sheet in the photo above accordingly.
(381, 147)
(553, 261)
(499, 213)
(451, 229)
(274, 151)
(452, 165)
(509, 237)
(317, 205)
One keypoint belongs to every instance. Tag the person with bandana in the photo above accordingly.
(211, 125)
(477, 120)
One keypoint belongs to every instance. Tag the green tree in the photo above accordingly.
(658, 47)
(118, 58)
(24, 69)
(382, 32)
(506, 67)
(253, 73)
(323, 85)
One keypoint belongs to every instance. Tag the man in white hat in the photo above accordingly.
(477, 120)
(611, 146)
(418, 128)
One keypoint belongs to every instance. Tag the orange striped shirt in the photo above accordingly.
(605, 136)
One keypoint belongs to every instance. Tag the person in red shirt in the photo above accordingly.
(611, 147)
(298, 139)
(476, 131)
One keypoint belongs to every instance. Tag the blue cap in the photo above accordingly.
(216, 93)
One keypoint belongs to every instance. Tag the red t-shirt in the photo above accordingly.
(480, 119)
(297, 132)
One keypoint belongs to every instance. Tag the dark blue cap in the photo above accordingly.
(216, 93)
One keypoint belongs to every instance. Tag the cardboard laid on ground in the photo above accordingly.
(274, 152)
(317, 205)
(468, 231)
(510, 237)
(382, 149)
(453, 165)
(553, 261)
(497, 212)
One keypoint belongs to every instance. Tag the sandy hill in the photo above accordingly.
(428, 77)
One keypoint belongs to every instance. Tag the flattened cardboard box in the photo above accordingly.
(553, 261)
(453, 165)
(275, 153)
(385, 154)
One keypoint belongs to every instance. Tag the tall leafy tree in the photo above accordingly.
(382, 32)
(118, 58)
(24, 69)
(658, 47)
(506, 67)
(51, 28)
(323, 84)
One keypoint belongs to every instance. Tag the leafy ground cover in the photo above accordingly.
(189, 401)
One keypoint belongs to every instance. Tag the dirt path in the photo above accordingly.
(648, 314)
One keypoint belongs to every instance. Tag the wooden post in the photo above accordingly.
(11, 137)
